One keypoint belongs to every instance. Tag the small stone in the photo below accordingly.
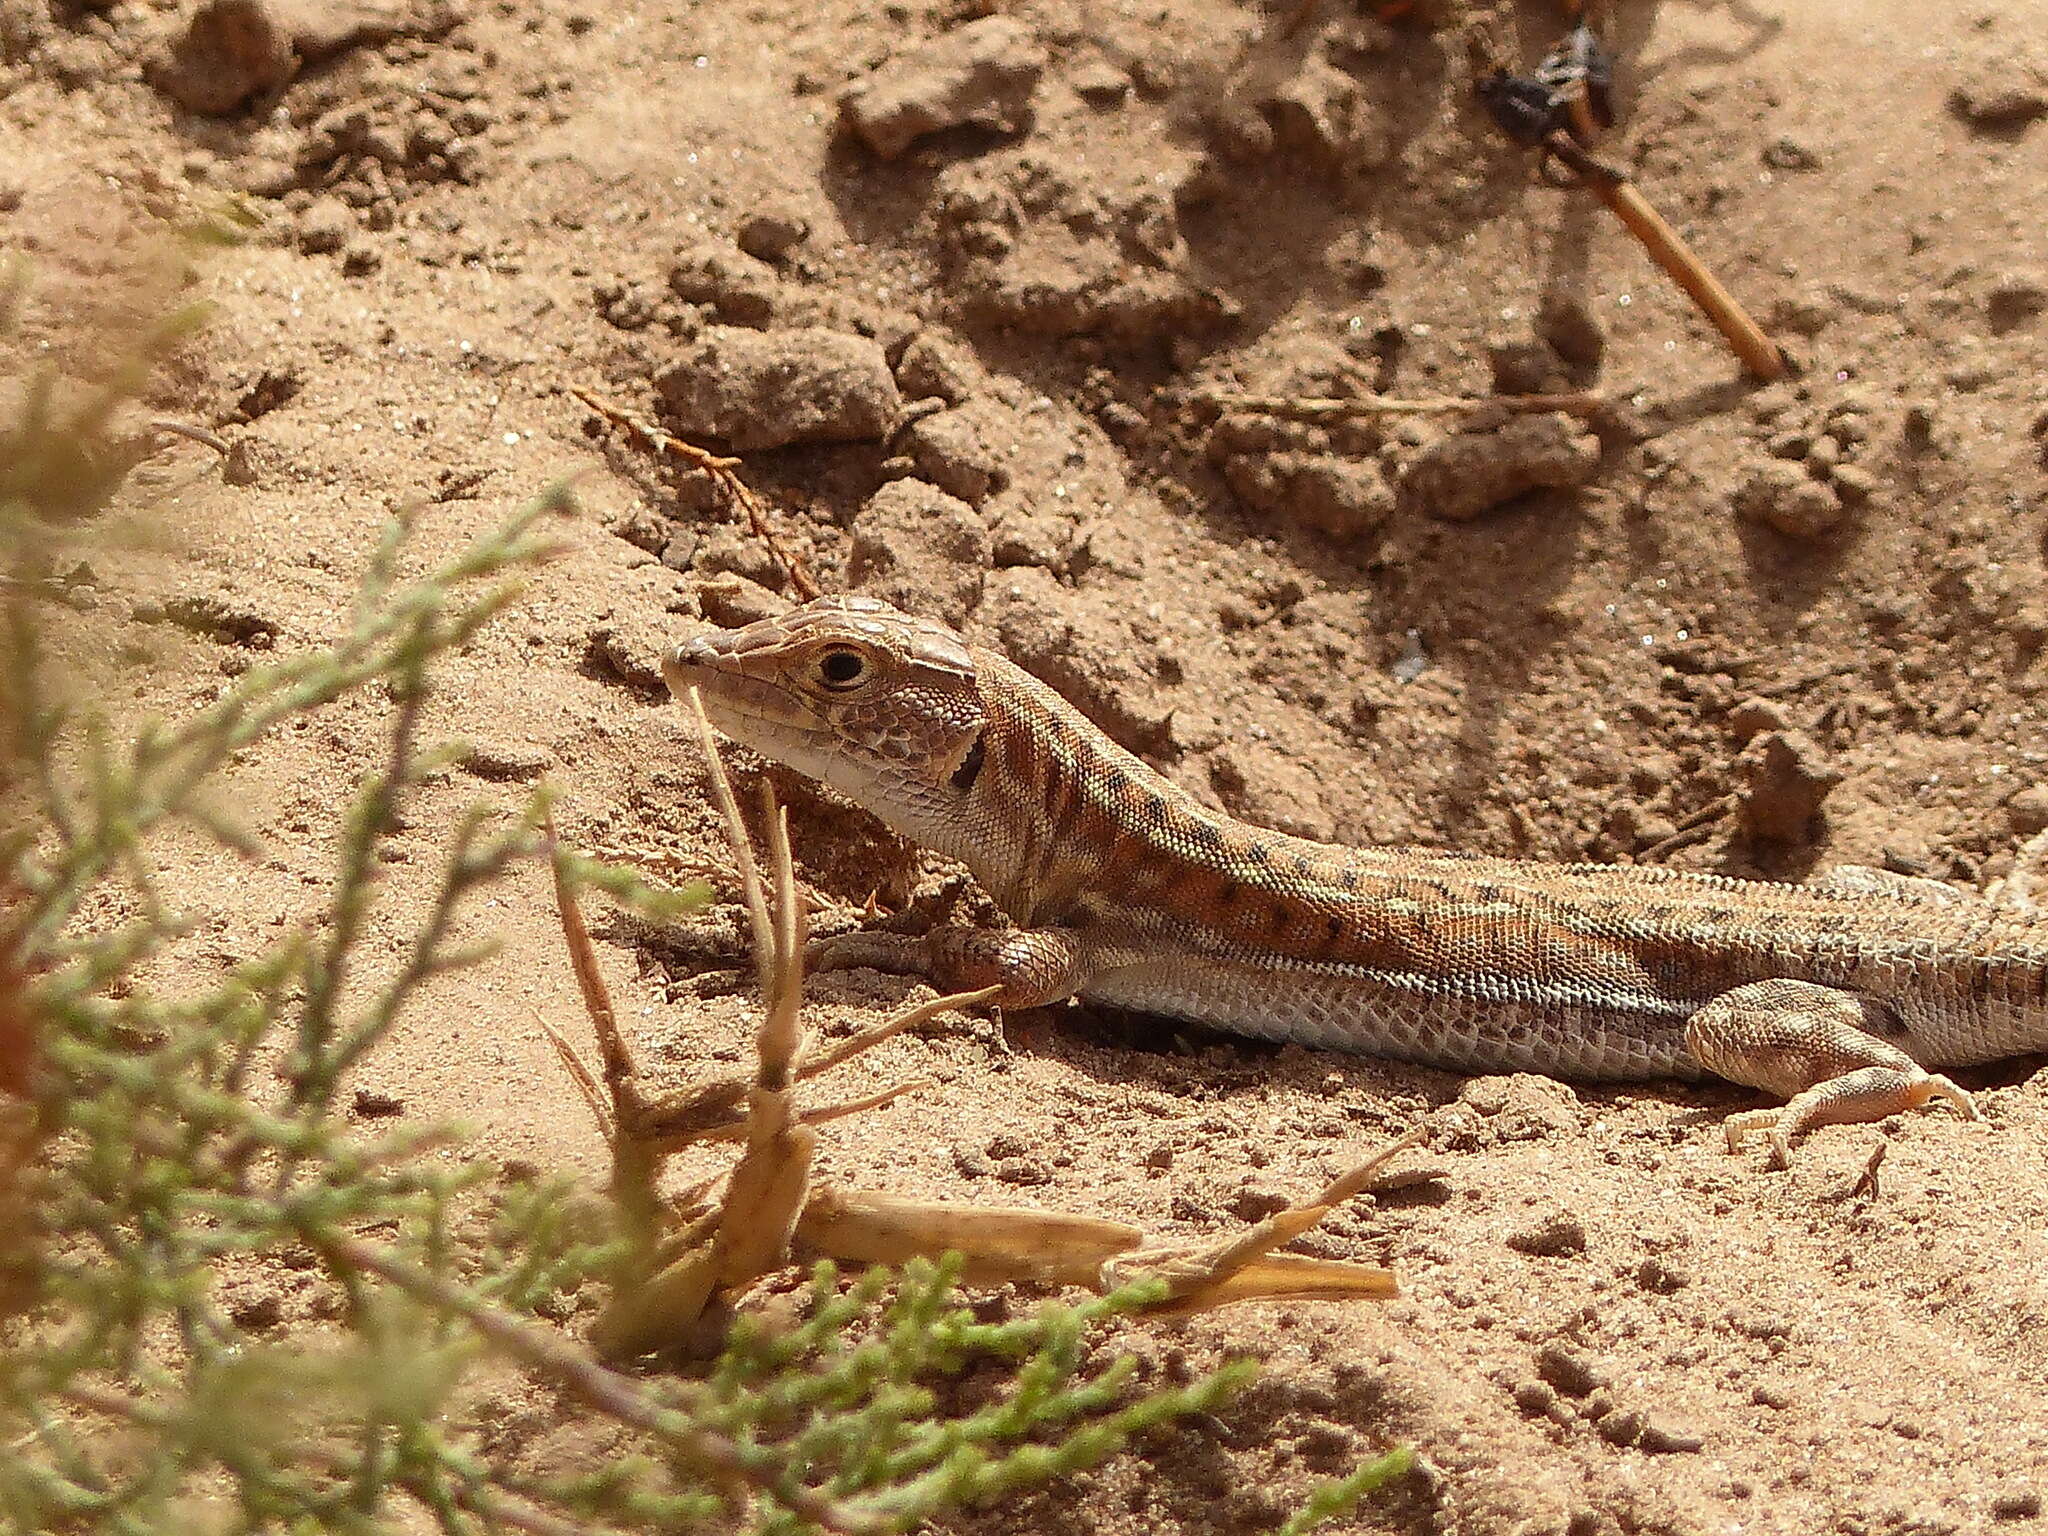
(325, 226)
(1781, 494)
(1567, 1370)
(1554, 1237)
(1790, 155)
(754, 389)
(1523, 366)
(1853, 483)
(2001, 96)
(371, 1104)
(1660, 1278)
(1662, 1439)
(1622, 1426)
(1464, 474)
(739, 289)
(1567, 323)
(229, 53)
(506, 762)
(258, 1312)
(2026, 810)
(982, 73)
(732, 601)
(359, 259)
(920, 549)
(1023, 1171)
(952, 450)
(1535, 1398)
(771, 232)
(1100, 83)
(935, 364)
(1785, 780)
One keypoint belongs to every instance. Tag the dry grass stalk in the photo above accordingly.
(769, 1216)
(719, 468)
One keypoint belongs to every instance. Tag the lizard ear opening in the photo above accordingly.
(963, 777)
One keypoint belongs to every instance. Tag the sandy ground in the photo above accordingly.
(1757, 630)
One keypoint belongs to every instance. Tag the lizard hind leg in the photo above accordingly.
(1812, 1046)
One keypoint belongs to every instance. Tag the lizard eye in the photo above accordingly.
(840, 669)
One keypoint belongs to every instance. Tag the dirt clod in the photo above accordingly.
(1785, 779)
(1464, 474)
(981, 73)
(761, 390)
(919, 548)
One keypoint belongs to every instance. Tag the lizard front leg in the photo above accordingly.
(1033, 966)
(1811, 1046)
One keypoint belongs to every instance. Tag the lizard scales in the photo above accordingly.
(1128, 891)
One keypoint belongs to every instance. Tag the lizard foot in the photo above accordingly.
(1814, 1047)
(1033, 966)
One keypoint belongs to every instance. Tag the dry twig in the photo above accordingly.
(719, 468)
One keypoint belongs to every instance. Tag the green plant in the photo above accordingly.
(156, 1139)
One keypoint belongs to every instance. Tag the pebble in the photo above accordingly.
(1785, 778)
(1568, 1371)
(1464, 474)
(1554, 1237)
(771, 232)
(982, 73)
(754, 389)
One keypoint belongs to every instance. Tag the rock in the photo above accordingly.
(1556, 1236)
(771, 232)
(955, 450)
(230, 53)
(1466, 473)
(1783, 495)
(732, 602)
(982, 73)
(755, 389)
(1100, 83)
(1853, 483)
(1523, 365)
(506, 762)
(1322, 112)
(325, 226)
(920, 549)
(740, 289)
(1342, 497)
(1785, 779)
(2026, 810)
(935, 364)
(1567, 323)
(2001, 95)
(2014, 299)
(1568, 1371)
(1790, 155)
(233, 52)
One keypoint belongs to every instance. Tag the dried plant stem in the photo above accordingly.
(719, 468)
(1759, 354)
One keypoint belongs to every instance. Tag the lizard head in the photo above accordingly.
(881, 705)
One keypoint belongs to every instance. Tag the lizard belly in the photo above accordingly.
(1407, 1019)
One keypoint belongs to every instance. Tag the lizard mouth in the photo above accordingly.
(753, 711)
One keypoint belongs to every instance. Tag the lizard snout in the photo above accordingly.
(689, 663)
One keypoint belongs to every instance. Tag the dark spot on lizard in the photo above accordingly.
(1350, 879)
(1282, 916)
(1155, 807)
(970, 766)
(1257, 854)
(1333, 931)
(1226, 893)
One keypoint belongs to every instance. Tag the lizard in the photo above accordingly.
(1837, 996)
